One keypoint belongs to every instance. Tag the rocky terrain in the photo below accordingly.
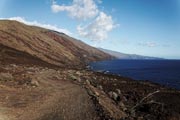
(43, 77)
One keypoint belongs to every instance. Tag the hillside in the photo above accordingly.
(120, 55)
(48, 46)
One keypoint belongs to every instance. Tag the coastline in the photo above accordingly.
(141, 81)
(163, 72)
(166, 98)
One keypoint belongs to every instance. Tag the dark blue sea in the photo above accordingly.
(164, 72)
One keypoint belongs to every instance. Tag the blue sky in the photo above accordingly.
(145, 27)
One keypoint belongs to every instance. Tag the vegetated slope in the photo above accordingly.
(48, 46)
(120, 55)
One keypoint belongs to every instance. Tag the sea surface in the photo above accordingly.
(164, 72)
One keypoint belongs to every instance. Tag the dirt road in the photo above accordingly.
(51, 98)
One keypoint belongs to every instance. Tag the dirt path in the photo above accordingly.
(69, 102)
(53, 99)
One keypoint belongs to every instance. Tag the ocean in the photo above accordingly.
(164, 72)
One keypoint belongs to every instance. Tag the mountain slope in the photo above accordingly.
(9, 56)
(49, 46)
(120, 55)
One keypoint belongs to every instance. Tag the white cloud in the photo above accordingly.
(98, 29)
(87, 10)
(148, 44)
(80, 9)
(35, 23)
(99, 1)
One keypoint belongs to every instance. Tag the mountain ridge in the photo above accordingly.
(120, 55)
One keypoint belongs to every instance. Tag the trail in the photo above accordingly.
(54, 99)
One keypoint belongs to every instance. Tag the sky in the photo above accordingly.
(145, 27)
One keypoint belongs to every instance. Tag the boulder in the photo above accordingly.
(114, 96)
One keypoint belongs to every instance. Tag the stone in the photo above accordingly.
(110, 94)
(6, 77)
(115, 84)
(114, 96)
(124, 98)
(87, 82)
(73, 77)
(118, 91)
(140, 118)
(13, 65)
(78, 73)
(97, 94)
(123, 107)
(34, 83)
(100, 87)
(79, 80)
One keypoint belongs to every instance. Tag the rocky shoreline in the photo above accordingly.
(139, 100)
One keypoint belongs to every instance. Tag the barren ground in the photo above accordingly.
(41, 93)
